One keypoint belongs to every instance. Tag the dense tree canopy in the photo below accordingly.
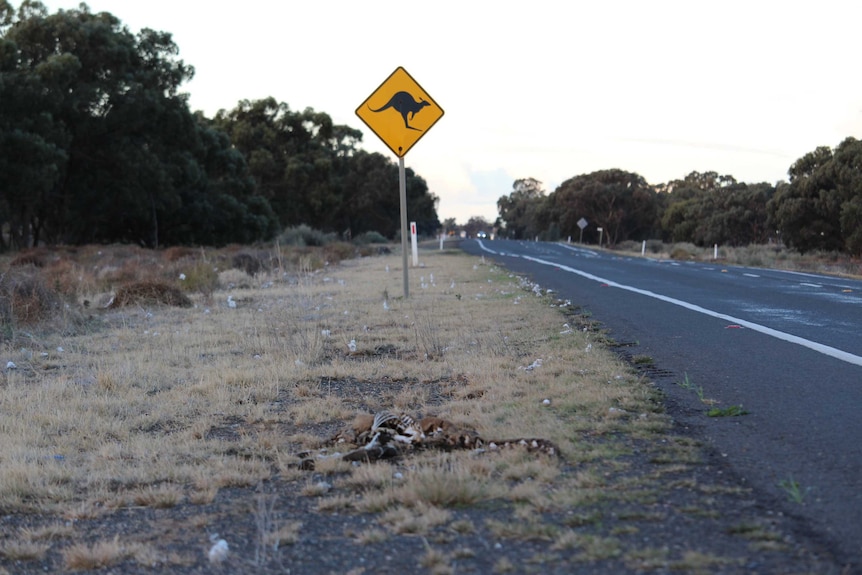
(821, 206)
(98, 144)
(372, 201)
(702, 208)
(311, 171)
(520, 209)
(709, 209)
(619, 202)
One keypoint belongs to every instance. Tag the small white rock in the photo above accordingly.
(218, 552)
(546, 402)
(11, 365)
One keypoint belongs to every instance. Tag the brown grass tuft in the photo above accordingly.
(25, 298)
(100, 554)
(35, 258)
(149, 292)
(161, 497)
(23, 550)
(177, 253)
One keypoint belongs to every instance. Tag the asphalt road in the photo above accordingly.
(785, 346)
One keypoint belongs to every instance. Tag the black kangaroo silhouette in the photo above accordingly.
(405, 105)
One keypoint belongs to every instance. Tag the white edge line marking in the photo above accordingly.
(751, 275)
(813, 345)
(577, 249)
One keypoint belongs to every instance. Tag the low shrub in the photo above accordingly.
(25, 298)
(177, 253)
(366, 238)
(33, 258)
(149, 293)
(338, 251)
(201, 277)
(684, 251)
(305, 236)
(251, 263)
(655, 246)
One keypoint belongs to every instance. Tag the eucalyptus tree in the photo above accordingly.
(708, 208)
(821, 206)
(98, 141)
(296, 158)
(519, 209)
(313, 172)
(619, 202)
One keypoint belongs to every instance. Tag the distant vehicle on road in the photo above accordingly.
(482, 235)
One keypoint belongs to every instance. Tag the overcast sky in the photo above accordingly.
(541, 89)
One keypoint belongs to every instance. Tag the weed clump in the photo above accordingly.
(250, 263)
(25, 298)
(201, 277)
(370, 238)
(305, 236)
(336, 252)
(30, 258)
(149, 292)
(683, 252)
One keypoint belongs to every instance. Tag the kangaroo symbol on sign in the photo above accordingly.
(404, 104)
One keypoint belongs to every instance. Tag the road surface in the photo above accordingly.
(785, 346)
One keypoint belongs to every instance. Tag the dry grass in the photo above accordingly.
(764, 256)
(24, 549)
(148, 292)
(101, 554)
(167, 408)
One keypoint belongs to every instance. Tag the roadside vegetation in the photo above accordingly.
(756, 255)
(166, 433)
(819, 208)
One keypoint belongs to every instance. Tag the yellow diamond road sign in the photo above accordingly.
(399, 111)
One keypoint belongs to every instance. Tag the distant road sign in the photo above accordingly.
(582, 223)
(399, 111)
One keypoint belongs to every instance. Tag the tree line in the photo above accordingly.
(98, 145)
(819, 208)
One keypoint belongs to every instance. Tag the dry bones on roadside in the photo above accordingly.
(386, 436)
